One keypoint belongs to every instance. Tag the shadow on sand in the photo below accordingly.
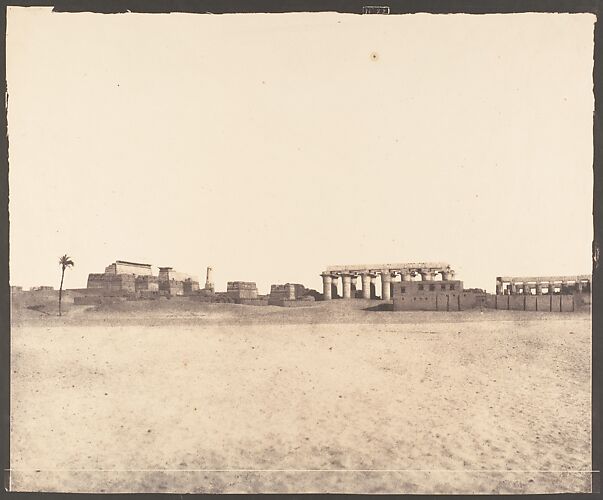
(380, 307)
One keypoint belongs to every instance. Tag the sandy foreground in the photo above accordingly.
(397, 403)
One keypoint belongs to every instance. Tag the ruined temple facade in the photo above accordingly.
(172, 282)
(125, 267)
(387, 274)
(121, 277)
(137, 279)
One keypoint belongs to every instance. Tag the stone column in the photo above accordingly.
(327, 283)
(366, 286)
(538, 288)
(579, 286)
(527, 289)
(499, 287)
(334, 290)
(447, 275)
(347, 286)
(406, 276)
(551, 288)
(426, 275)
(386, 281)
(373, 286)
(353, 280)
(513, 288)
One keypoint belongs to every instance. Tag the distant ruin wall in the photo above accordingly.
(291, 303)
(171, 287)
(189, 287)
(123, 267)
(240, 290)
(282, 292)
(540, 303)
(150, 283)
(113, 282)
(252, 302)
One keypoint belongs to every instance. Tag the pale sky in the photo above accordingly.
(272, 145)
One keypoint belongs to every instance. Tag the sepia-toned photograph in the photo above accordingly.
(303, 252)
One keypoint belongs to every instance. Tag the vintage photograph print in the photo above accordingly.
(305, 252)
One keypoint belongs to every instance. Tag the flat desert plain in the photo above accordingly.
(178, 396)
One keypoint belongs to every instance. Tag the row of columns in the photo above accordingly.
(513, 288)
(369, 280)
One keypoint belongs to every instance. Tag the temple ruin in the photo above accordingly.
(542, 293)
(386, 273)
(173, 282)
(539, 285)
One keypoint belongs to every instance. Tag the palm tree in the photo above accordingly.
(65, 262)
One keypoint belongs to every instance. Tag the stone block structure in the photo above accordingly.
(117, 283)
(289, 294)
(239, 290)
(282, 292)
(147, 283)
(189, 286)
(172, 282)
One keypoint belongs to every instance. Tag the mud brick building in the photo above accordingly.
(445, 295)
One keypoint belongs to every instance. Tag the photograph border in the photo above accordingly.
(354, 7)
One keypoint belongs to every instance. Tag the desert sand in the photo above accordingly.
(178, 396)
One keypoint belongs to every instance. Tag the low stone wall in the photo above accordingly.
(96, 300)
(290, 303)
(97, 292)
(252, 302)
(540, 303)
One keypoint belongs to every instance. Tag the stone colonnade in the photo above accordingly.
(369, 275)
(552, 284)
